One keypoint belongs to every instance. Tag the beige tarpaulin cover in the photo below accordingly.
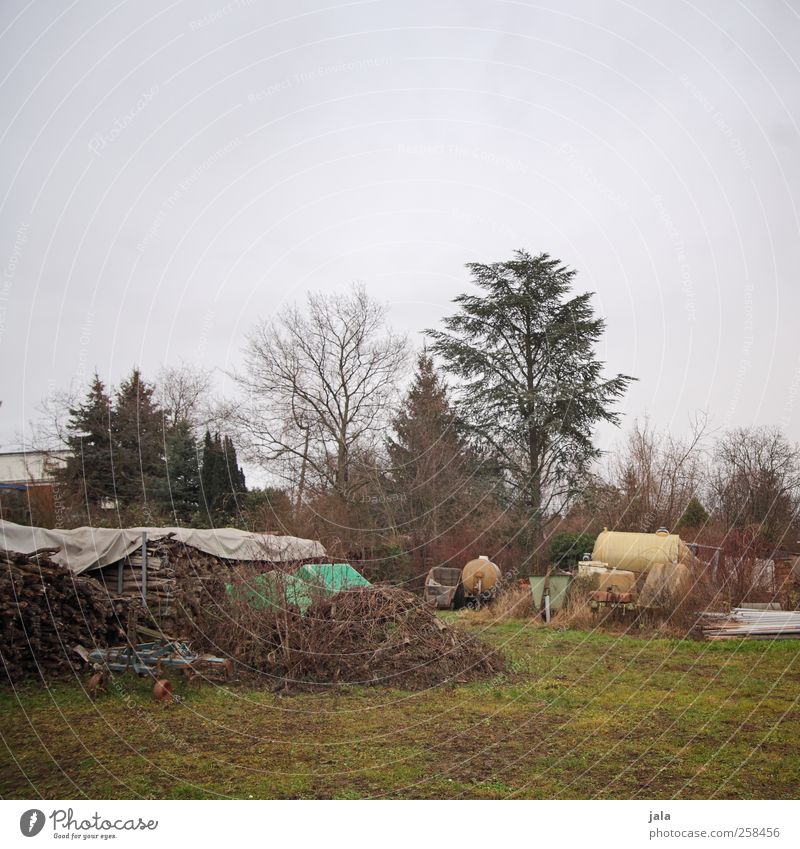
(90, 548)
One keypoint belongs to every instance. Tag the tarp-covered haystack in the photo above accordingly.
(45, 610)
(258, 600)
(85, 549)
(368, 635)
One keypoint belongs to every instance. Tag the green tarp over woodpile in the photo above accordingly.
(331, 577)
(278, 589)
(274, 589)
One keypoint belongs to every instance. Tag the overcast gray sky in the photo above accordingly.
(170, 172)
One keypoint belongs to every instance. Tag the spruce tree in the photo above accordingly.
(137, 431)
(178, 492)
(235, 474)
(221, 477)
(209, 477)
(432, 469)
(88, 470)
(694, 516)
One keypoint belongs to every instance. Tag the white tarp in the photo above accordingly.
(90, 548)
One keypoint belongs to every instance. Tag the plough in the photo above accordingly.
(152, 659)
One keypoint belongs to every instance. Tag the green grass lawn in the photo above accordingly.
(577, 715)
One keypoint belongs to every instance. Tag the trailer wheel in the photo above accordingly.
(458, 597)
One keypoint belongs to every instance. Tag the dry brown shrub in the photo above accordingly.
(369, 635)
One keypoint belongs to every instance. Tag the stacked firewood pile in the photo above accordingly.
(45, 610)
(181, 581)
(369, 635)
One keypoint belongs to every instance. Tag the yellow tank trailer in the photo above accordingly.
(657, 569)
(637, 553)
(480, 575)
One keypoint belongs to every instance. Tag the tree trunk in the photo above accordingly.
(302, 483)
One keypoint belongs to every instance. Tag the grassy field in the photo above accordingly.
(577, 715)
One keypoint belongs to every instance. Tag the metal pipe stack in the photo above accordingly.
(742, 623)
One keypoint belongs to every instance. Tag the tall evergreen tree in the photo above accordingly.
(221, 478)
(88, 468)
(235, 474)
(209, 476)
(137, 432)
(178, 492)
(432, 468)
(531, 385)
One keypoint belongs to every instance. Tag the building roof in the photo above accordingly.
(22, 467)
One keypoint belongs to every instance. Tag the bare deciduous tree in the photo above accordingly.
(182, 392)
(319, 382)
(755, 479)
(49, 431)
(656, 474)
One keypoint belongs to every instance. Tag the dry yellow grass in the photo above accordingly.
(677, 618)
(513, 603)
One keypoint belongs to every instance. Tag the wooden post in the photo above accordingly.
(144, 567)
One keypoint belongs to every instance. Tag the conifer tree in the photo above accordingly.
(432, 468)
(137, 432)
(694, 516)
(530, 382)
(209, 476)
(221, 478)
(88, 468)
(235, 474)
(178, 492)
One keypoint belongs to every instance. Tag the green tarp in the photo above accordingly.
(331, 577)
(277, 589)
